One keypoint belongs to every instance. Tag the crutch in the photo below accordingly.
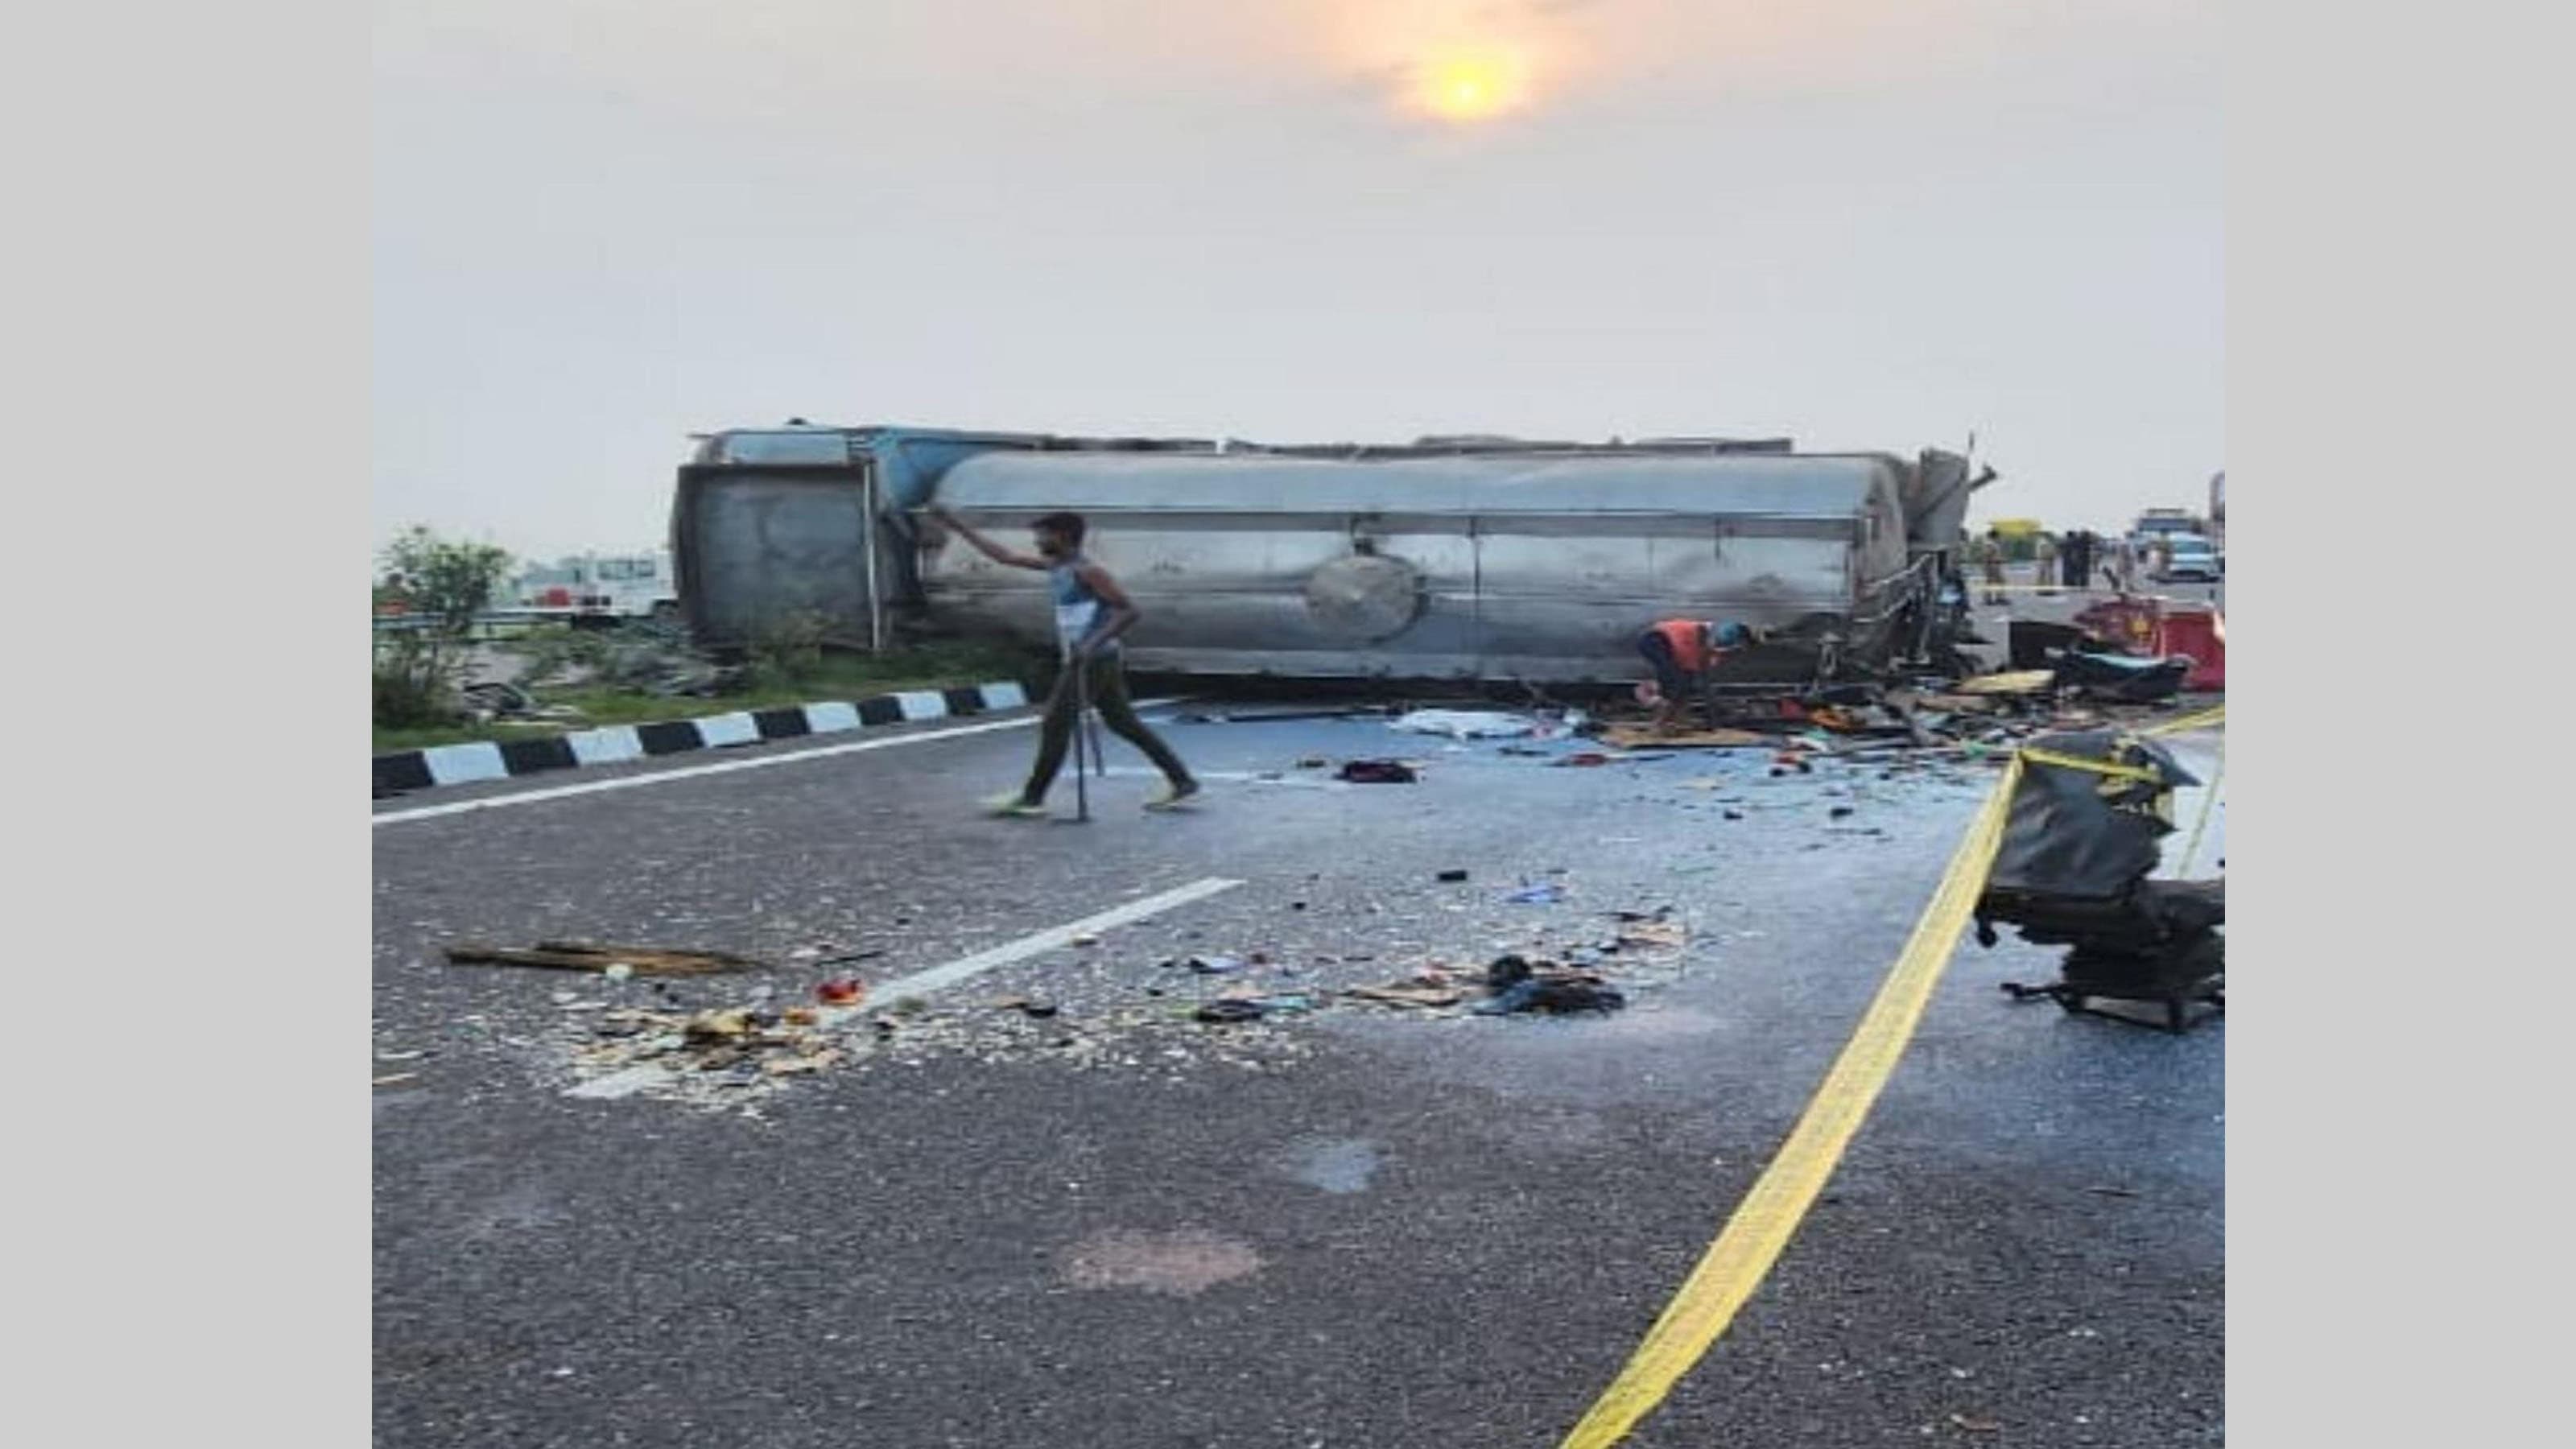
(1091, 731)
(1081, 668)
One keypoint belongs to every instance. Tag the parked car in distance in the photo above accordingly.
(2189, 556)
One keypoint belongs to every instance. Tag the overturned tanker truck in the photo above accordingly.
(1468, 559)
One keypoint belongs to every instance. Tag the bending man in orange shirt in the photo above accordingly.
(1683, 651)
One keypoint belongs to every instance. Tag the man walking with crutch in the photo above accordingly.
(1091, 611)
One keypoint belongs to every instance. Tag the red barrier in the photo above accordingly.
(2202, 634)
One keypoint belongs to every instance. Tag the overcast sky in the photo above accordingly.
(601, 225)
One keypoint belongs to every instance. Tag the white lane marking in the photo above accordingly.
(922, 983)
(633, 782)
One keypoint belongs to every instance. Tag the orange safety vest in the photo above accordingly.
(1689, 638)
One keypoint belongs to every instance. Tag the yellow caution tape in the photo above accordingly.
(2098, 767)
(2215, 715)
(1761, 1225)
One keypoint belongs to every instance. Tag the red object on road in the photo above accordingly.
(2202, 634)
(842, 991)
(2126, 624)
(2148, 627)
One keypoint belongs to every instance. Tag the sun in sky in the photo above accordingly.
(1466, 85)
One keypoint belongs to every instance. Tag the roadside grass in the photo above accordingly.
(835, 677)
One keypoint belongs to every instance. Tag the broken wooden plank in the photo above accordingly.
(644, 960)
(629, 953)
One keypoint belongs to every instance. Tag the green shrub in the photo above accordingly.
(437, 586)
(443, 580)
(417, 677)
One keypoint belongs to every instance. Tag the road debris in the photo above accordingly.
(1554, 992)
(1653, 935)
(738, 1045)
(1102, 1014)
(1378, 772)
(2023, 681)
(1126, 1001)
(2123, 679)
(2080, 842)
(590, 956)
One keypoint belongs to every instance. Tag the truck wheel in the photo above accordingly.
(666, 611)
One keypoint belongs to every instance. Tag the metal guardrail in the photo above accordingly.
(497, 623)
(530, 614)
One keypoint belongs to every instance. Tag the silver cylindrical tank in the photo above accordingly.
(1527, 566)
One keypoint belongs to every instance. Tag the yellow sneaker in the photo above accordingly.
(1015, 807)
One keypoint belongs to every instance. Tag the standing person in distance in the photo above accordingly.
(1990, 557)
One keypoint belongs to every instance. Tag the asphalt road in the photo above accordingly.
(1362, 1226)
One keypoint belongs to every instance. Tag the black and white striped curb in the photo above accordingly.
(613, 744)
